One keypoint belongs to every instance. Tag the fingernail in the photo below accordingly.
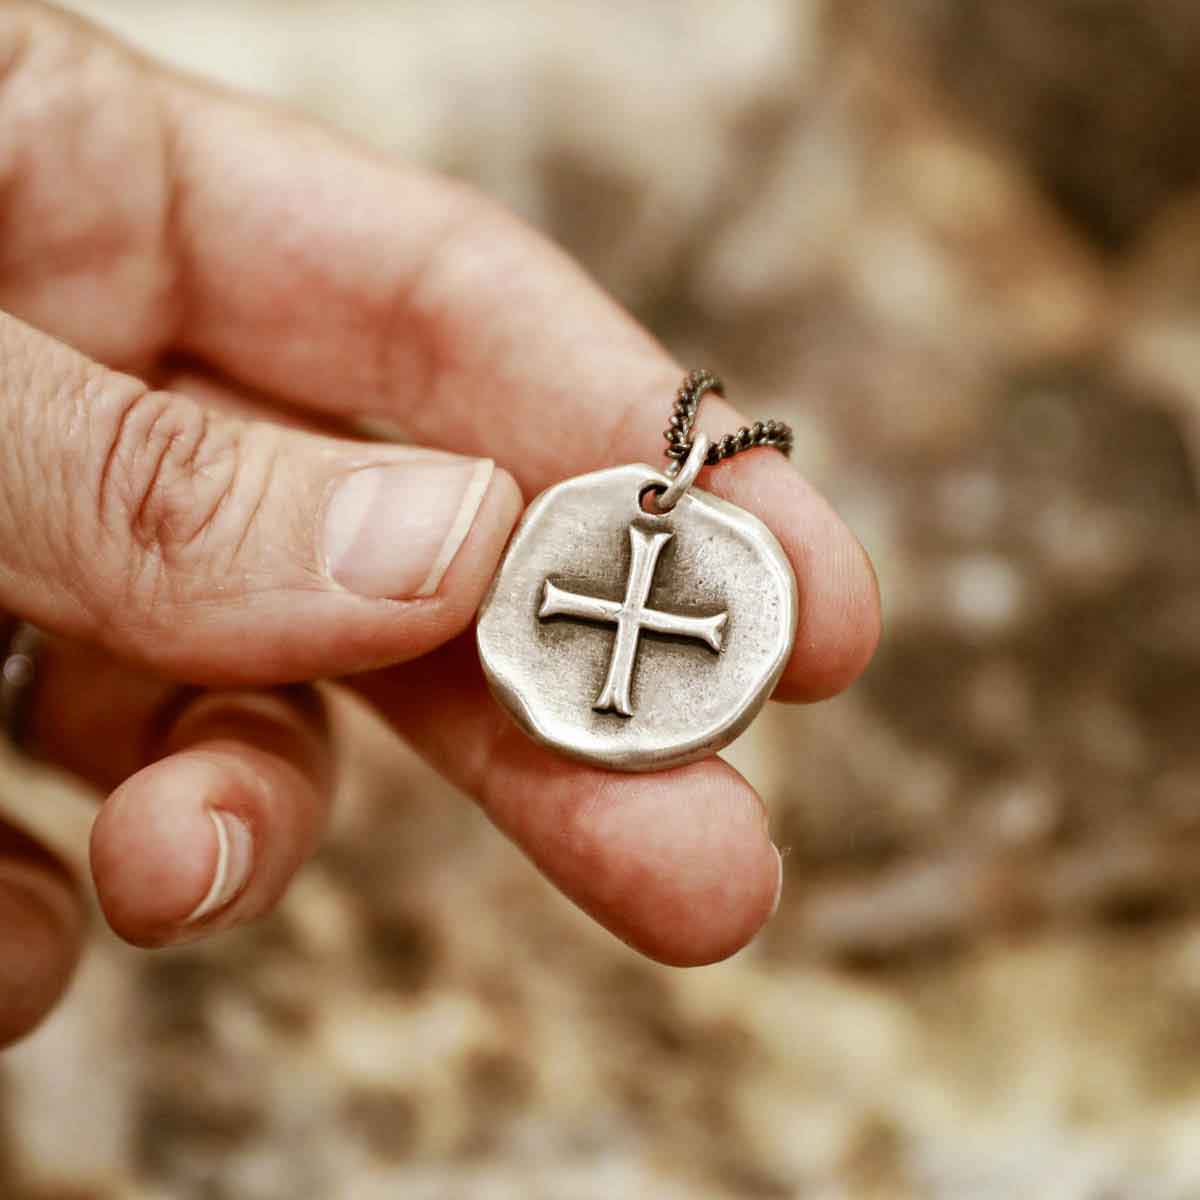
(778, 884)
(235, 856)
(394, 531)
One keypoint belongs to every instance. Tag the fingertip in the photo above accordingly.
(210, 836)
(678, 865)
(504, 504)
(713, 882)
(155, 849)
(839, 622)
(493, 515)
(442, 612)
(835, 644)
(500, 512)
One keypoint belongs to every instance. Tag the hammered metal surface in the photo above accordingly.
(687, 696)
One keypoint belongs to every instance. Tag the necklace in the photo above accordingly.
(638, 622)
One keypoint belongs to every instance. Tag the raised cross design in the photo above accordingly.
(631, 617)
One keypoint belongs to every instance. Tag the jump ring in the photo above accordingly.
(684, 477)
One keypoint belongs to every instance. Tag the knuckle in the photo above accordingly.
(79, 114)
(173, 488)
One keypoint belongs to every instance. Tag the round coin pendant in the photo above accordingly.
(631, 639)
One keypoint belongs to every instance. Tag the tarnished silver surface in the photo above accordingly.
(632, 639)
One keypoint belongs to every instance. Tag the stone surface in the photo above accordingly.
(956, 246)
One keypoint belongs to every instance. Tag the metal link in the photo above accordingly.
(678, 434)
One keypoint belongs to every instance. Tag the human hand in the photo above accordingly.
(196, 535)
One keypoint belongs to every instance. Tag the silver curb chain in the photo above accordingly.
(678, 434)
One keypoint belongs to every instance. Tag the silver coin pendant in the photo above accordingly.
(631, 638)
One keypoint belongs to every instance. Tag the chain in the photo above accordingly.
(696, 385)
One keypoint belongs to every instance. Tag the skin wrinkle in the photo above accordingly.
(114, 442)
(159, 494)
(191, 480)
(149, 499)
(218, 446)
(205, 519)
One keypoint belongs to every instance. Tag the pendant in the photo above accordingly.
(637, 623)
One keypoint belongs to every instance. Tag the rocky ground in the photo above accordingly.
(959, 247)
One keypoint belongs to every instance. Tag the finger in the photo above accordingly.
(97, 717)
(466, 328)
(833, 637)
(209, 835)
(191, 772)
(677, 864)
(41, 933)
(94, 715)
(322, 274)
(225, 550)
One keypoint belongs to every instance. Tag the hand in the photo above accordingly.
(187, 523)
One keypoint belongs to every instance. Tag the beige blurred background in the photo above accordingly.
(958, 245)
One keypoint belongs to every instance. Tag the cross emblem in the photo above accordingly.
(631, 617)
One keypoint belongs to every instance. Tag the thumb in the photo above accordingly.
(223, 550)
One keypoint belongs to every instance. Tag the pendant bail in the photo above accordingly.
(684, 477)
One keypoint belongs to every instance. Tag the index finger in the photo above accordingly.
(321, 273)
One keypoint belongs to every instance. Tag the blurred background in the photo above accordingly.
(958, 246)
